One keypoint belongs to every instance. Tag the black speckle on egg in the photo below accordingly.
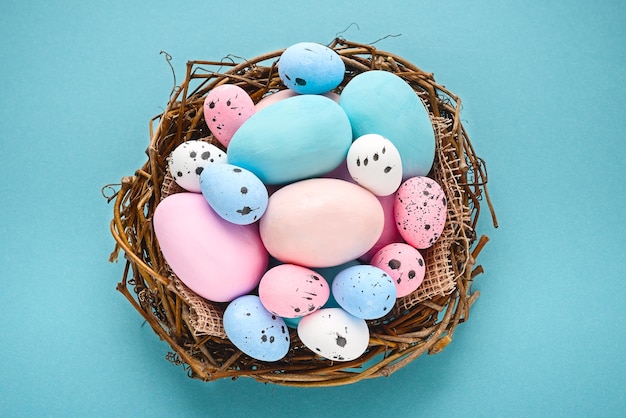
(199, 170)
(387, 169)
(244, 190)
(365, 161)
(264, 338)
(237, 170)
(300, 81)
(394, 264)
(375, 156)
(211, 104)
(179, 174)
(420, 262)
(205, 155)
(192, 154)
(411, 274)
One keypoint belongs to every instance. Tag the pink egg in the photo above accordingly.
(404, 264)
(284, 94)
(216, 259)
(390, 232)
(420, 211)
(293, 291)
(321, 222)
(226, 108)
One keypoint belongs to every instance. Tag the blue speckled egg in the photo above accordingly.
(296, 138)
(234, 193)
(364, 291)
(310, 68)
(380, 102)
(254, 330)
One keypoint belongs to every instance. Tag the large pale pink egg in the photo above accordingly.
(216, 259)
(293, 291)
(226, 108)
(390, 232)
(321, 222)
(404, 264)
(420, 211)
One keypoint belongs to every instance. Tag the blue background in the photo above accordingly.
(543, 85)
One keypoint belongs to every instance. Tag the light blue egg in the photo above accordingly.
(380, 102)
(296, 138)
(311, 68)
(364, 291)
(234, 193)
(254, 330)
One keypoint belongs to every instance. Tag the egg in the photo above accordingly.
(420, 210)
(374, 163)
(189, 159)
(321, 222)
(310, 68)
(334, 334)
(365, 291)
(226, 108)
(234, 193)
(254, 330)
(390, 232)
(296, 138)
(404, 264)
(285, 94)
(216, 259)
(380, 102)
(293, 291)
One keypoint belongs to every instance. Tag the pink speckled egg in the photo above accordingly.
(420, 211)
(226, 108)
(293, 291)
(216, 259)
(404, 264)
(321, 222)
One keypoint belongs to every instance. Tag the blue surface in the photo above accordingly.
(542, 83)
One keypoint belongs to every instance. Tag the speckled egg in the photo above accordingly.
(334, 334)
(365, 291)
(236, 194)
(404, 264)
(381, 102)
(374, 163)
(254, 330)
(189, 159)
(310, 68)
(420, 210)
(226, 108)
(293, 291)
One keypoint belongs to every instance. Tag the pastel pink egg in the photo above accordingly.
(321, 222)
(226, 108)
(390, 232)
(420, 210)
(284, 94)
(293, 291)
(404, 264)
(216, 259)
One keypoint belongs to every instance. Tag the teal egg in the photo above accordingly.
(296, 138)
(380, 102)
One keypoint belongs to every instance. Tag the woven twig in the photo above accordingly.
(423, 322)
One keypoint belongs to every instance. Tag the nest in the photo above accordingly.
(422, 322)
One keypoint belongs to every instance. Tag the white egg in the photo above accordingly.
(375, 164)
(189, 159)
(334, 334)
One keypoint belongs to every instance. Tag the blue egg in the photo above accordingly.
(234, 193)
(380, 102)
(364, 291)
(254, 330)
(310, 68)
(296, 138)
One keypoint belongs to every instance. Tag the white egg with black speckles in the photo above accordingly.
(254, 330)
(375, 163)
(420, 210)
(364, 291)
(234, 193)
(189, 159)
(334, 334)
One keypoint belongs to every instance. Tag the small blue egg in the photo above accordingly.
(310, 68)
(234, 193)
(254, 330)
(364, 291)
